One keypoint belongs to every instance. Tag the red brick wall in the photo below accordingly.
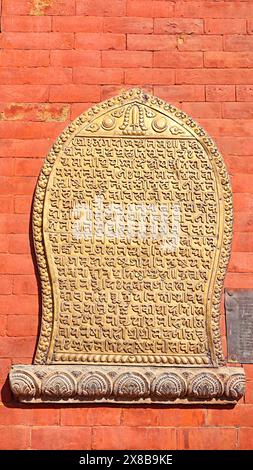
(57, 58)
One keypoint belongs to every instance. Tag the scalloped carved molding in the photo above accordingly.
(108, 384)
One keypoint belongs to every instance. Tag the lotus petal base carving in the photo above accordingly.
(119, 384)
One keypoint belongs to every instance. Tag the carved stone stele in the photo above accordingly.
(132, 228)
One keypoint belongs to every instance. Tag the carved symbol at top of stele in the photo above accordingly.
(132, 229)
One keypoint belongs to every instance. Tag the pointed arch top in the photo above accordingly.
(146, 153)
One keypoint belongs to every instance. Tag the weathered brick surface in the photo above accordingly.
(57, 58)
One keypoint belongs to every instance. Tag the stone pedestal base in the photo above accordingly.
(122, 384)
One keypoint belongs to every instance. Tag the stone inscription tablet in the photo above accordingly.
(132, 298)
(239, 320)
(132, 227)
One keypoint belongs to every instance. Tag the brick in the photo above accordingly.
(180, 93)
(125, 437)
(244, 93)
(76, 58)
(242, 280)
(102, 416)
(240, 415)
(7, 186)
(101, 8)
(97, 76)
(14, 223)
(35, 75)
(249, 373)
(16, 58)
(5, 365)
(22, 325)
(228, 59)
(74, 93)
(25, 284)
(213, 9)
(235, 146)
(6, 395)
(4, 244)
(11, 7)
(19, 242)
(128, 25)
(76, 24)
(126, 59)
(38, 7)
(243, 202)
(28, 416)
(225, 26)
(34, 112)
(209, 438)
(214, 76)
(178, 25)
(236, 127)
(241, 262)
(23, 93)
(201, 110)
(238, 110)
(220, 93)
(6, 166)
(14, 438)
(148, 42)
(26, 23)
(49, 7)
(15, 243)
(3, 325)
(17, 347)
(243, 222)
(200, 43)
(24, 148)
(163, 417)
(32, 130)
(250, 26)
(19, 304)
(242, 183)
(61, 438)
(6, 283)
(16, 264)
(154, 76)
(37, 40)
(17, 185)
(249, 388)
(79, 108)
(243, 241)
(240, 42)
(177, 59)
(100, 41)
(50, 112)
(6, 205)
(246, 438)
(152, 8)
(21, 360)
(27, 166)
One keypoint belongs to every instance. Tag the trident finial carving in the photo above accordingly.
(133, 123)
